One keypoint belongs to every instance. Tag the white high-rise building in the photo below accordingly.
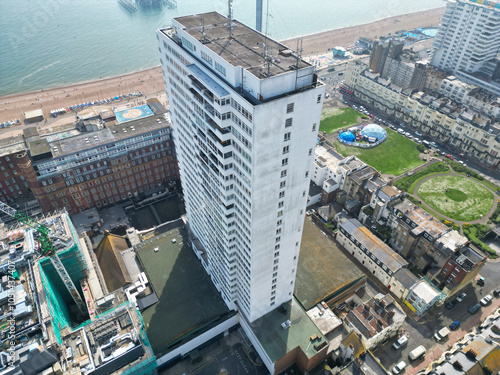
(245, 112)
(468, 42)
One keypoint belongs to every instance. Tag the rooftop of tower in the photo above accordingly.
(246, 47)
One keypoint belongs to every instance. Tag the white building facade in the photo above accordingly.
(468, 41)
(245, 127)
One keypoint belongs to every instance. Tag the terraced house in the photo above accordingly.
(437, 117)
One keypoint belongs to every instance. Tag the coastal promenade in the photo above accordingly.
(150, 81)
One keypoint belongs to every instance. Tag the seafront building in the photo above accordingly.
(468, 42)
(245, 112)
(101, 159)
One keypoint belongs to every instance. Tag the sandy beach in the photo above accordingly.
(150, 81)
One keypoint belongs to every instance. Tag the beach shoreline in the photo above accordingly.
(150, 81)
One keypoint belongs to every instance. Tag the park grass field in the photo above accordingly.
(394, 156)
(456, 197)
(338, 118)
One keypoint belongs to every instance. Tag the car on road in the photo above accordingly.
(474, 308)
(402, 125)
(496, 292)
(454, 325)
(401, 342)
(462, 155)
(486, 300)
(397, 369)
(418, 133)
(461, 297)
(451, 304)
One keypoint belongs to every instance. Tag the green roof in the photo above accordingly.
(277, 341)
(323, 270)
(188, 303)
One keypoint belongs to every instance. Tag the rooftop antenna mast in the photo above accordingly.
(230, 17)
(299, 51)
(203, 35)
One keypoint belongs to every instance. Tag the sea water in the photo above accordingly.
(49, 43)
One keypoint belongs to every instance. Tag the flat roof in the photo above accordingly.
(323, 269)
(11, 145)
(84, 141)
(39, 147)
(245, 48)
(33, 113)
(188, 303)
(278, 341)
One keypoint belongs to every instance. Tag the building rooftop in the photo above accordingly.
(425, 292)
(188, 303)
(324, 318)
(420, 220)
(327, 157)
(323, 270)
(366, 364)
(379, 249)
(61, 146)
(406, 277)
(450, 242)
(375, 315)
(11, 145)
(352, 339)
(246, 47)
(111, 262)
(277, 341)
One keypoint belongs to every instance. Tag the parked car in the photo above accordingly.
(461, 297)
(451, 304)
(401, 342)
(454, 325)
(462, 155)
(474, 308)
(480, 281)
(449, 156)
(461, 162)
(397, 369)
(486, 300)
(418, 133)
(401, 131)
(441, 334)
(496, 292)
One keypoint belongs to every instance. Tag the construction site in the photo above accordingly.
(65, 318)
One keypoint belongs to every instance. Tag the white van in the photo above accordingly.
(418, 352)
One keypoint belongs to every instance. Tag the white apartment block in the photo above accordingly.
(468, 42)
(245, 115)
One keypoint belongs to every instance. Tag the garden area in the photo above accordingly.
(456, 197)
(394, 156)
(337, 118)
(408, 183)
(474, 232)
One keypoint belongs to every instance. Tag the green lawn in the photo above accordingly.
(457, 197)
(339, 118)
(394, 156)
